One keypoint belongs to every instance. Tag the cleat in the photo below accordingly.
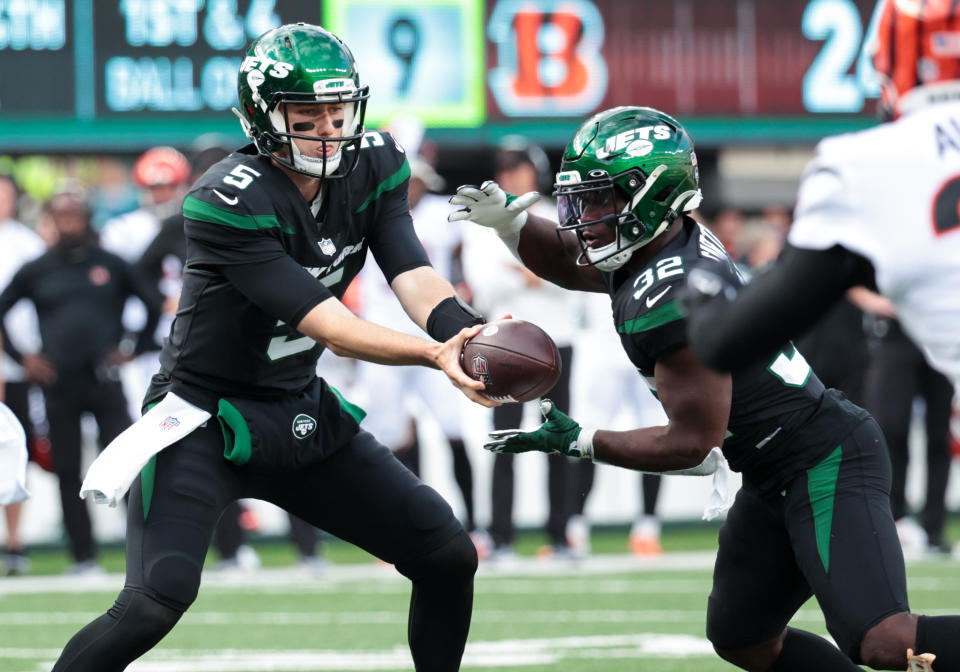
(921, 662)
(645, 537)
(482, 542)
(645, 546)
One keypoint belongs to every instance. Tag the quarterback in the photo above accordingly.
(876, 208)
(275, 233)
(813, 515)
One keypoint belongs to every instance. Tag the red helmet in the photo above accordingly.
(159, 166)
(917, 53)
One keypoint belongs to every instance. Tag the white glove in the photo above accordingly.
(489, 205)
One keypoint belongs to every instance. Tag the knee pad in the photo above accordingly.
(455, 561)
(173, 578)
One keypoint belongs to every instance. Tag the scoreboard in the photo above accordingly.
(124, 74)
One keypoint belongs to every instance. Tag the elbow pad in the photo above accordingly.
(450, 316)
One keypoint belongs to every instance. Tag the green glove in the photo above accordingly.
(558, 434)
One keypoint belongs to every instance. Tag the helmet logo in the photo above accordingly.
(332, 85)
(617, 143)
(264, 63)
(571, 177)
(639, 148)
(254, 79)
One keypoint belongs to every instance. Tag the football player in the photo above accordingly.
(275, 233)
(813, 515)
(875, 208)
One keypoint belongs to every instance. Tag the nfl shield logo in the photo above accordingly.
(169, 422)
(327, 247)
(480, 370)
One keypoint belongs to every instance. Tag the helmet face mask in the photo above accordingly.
(640, 166)
(301, 64)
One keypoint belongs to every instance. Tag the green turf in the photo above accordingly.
(536, 622)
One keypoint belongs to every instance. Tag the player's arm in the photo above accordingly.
(530, 238)
(551, 254)
(280, 287)
(697, 403)
(730, 329)
(696, 400)
(427, 297)
(432, 303)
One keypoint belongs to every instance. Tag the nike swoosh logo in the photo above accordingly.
(653, 299)
(226, 199)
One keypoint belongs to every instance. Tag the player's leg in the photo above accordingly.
(938, 394)
(561, 475)
(109, 406)
(172, 509)
(63, 414)
(363, 495)
(891, 387)
(847, 547)
(434, 389)
(506, 416)
(757, 588)
(15, 560)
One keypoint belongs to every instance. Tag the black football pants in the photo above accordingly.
(898, 373)
(360, 494)
(65, 405)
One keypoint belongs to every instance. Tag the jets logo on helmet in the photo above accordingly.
(637, 156)
(301, 64)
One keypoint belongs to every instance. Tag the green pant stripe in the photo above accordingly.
(821, 488)
(147, 476)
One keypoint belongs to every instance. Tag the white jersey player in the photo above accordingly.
(878, 208)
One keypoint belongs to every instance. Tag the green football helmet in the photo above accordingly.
(300, 63)
(639, 154)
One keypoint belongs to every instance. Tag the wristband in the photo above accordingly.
(450, 316)
(585, 444)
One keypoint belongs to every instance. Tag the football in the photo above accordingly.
(516, 360)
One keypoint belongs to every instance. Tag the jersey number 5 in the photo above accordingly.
(241, 176)
(288, 344)
(792, 371)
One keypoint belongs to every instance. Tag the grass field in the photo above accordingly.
(612, 612)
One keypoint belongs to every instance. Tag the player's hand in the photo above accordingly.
(558, 434)
(489, 205)
(704, 282)
(39, 369)
(448, 361)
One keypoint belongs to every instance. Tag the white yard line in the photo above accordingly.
(268, 579)
(493, 654)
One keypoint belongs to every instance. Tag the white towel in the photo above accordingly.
(111, 474)
(13, 458)
(714, 463)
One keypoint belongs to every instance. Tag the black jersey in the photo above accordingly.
(771, 432)
(260, 257)
(79, 293)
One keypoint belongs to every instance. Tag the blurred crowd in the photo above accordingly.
(91, 254)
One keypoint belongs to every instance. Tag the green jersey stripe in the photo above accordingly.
(668, 312)
(194, 208)
(391, 182)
